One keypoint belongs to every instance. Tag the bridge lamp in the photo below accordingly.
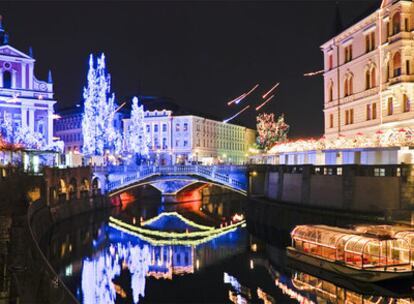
(254, 173)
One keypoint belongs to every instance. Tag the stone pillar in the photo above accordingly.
(24, 116)
(23, 75)
(13, 79)
(31, 76)
(49, 135)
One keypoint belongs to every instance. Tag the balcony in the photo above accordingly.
(399, 36)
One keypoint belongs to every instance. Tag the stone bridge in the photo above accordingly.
(172, 179)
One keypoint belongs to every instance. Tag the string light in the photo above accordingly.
(179, 216)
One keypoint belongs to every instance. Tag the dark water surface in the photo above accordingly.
(106, 263)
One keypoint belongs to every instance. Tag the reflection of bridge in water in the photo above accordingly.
(140, 257)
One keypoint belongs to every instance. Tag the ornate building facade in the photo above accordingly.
(26, 102)
(369, 73)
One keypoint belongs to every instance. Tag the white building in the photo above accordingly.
(369, 73)
(190, 138)
(25, 101)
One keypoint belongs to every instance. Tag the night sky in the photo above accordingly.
(201, 54)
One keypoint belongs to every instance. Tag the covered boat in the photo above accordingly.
(363, 257)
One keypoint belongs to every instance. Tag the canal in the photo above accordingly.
(197, 250)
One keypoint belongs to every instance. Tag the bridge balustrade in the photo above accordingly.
(142, 173)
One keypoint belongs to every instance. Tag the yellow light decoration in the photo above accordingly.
(177, 215)
(172, 235)
(156, 242)
(403, 137)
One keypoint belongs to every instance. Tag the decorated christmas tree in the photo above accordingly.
(270, 131)
(138, 138)
(99, 132)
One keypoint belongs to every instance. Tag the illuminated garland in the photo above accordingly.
(179, 216)
(156, 242)
(403, 137)
(172, 235)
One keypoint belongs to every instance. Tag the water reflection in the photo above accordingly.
(105, 261)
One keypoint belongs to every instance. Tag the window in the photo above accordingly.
(406, 24)
(177, 127)
(164, 143)
(348, 53)
(397, 64)
(407, 67)
(185, 143)
(346, 92)
(331, 120)
(368, 112)
(330, 62)
(367, 80)
(148, 128)
(374, 110)
(387, 26)
(185, 127)
(396, 24)
(177, 143)
(164, 127)
(406, 103)
(7, 80)
(390, 106)
(373, 77)
(346, 117)
(370, 42)
(330, 96)
(155, 128)
(351, 116)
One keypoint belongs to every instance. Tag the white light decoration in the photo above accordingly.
(98, 128)
(138, 139)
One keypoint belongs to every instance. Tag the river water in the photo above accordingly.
(194, 250)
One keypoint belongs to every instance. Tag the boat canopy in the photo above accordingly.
(351, 248)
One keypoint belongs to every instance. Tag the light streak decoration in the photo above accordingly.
(172, 235)
(270, 91)
(243, 96)
(156, 242)
(237, 114)
(264, 103)
(310, 74)
(179, 216)
(120, 107)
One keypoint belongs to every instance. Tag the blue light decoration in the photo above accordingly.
(99, 133)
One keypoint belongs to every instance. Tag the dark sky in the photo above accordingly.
(201, 54)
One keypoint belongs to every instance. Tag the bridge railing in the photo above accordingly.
(143, 172)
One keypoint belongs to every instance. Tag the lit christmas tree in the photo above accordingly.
(270, 131)
(138, 138)
(98, 128)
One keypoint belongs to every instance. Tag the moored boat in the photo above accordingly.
(360, 256)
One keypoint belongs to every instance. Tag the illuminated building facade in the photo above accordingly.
(369, 73)
(26, 102)
(189, 138)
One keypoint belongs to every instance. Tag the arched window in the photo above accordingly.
(367, 80)
(397, 64)
(406, 103)
(346, 92)
(330, 91)
(388, 71)
(7, 80)
(396, 23)
(351, 84)
(390, 106)
(373, 78)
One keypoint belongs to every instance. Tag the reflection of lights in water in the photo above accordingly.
(228, 279)
(198, 264)
(292, 294)
(254, 247)
(178, 216)
(251, 264)
(98, 274)
(68, 270)
(267, 299)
